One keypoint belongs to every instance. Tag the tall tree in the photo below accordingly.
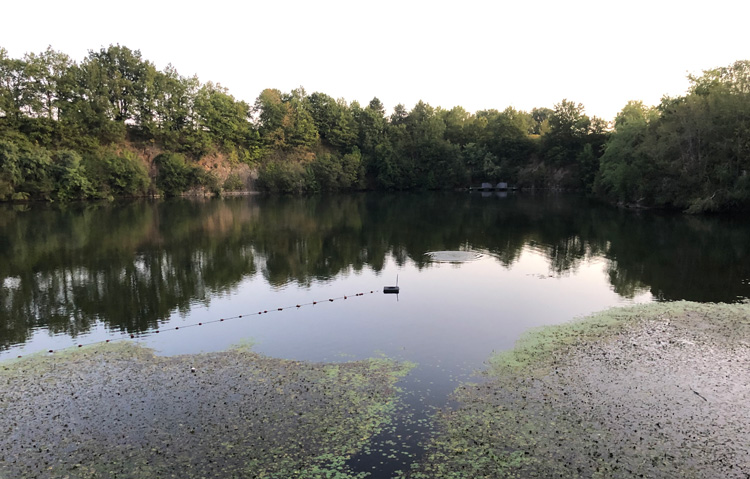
(46, 73)
(123, 78)
(569, 127)
(333, 120)
(14, 87)
(372, 124)
(284, 121)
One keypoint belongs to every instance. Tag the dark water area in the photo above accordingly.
(83, 273)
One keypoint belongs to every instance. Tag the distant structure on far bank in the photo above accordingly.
(502, 186)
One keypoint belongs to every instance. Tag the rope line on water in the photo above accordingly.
(203, 323)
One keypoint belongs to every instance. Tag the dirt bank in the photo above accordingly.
(119, 411)
(651, 391)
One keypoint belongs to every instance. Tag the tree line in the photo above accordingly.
(690, 152)
(71, 130)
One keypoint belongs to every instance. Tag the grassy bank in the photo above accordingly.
(659, 390)
(119, 411)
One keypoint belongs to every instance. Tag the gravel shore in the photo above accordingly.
(119, 411)
(656, 391)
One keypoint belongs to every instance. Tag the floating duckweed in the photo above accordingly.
(649, 391)
(118, 410)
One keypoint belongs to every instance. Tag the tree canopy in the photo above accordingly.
(689, 152)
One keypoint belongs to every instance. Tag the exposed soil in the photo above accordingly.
(119, 411)
(656, 391)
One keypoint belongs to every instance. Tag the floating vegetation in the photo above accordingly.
(120, 411)
(654, 391)
(453, 256)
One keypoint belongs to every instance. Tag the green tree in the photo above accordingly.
(14, 87)
(126, 175)
(372, 123)
(226, 121)
(506, 134)
(123, 78)
(173, 107)
(689, 153)
(10, 170)
(333, 119)
(284, 121)
(568, 129)
(627, 169)
(541, 118)
(72, 180)
(46, 73)
(175, 176)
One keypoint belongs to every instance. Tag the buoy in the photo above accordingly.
(391, 289)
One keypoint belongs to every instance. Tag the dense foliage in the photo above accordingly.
(115, 110)
(691, 152)
(85, 130)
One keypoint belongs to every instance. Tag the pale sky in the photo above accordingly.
(476, 54)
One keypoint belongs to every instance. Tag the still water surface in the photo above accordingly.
(84, 273)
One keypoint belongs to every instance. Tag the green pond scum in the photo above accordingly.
(120, 411)
(655, 391)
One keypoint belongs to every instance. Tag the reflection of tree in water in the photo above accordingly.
(131, 265)
(128, 265)
(698, 259)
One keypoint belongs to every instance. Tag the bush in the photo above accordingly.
(285, 177)
(72, 180)
(125, 174)
(233, 183)
(176, 176)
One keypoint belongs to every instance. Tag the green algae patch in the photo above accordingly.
(652, 391)
(120, 411)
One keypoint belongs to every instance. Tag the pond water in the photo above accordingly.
(475, 272)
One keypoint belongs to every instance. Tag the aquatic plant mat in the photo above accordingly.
(119, 411)
(656, 391)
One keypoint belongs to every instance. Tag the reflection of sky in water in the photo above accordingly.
(448, 314)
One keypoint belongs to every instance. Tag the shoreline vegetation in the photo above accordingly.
(118, 410)
(658, 390)
(112, 125)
